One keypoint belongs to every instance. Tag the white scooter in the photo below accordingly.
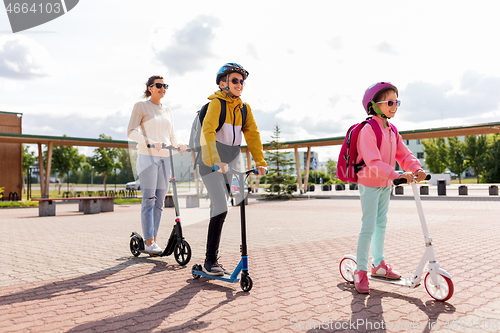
(437, 281)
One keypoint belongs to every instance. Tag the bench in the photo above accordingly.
(192, 200)
(87, 205)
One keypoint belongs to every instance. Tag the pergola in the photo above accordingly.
(50, 141)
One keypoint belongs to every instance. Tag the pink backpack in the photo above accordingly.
(347, 169)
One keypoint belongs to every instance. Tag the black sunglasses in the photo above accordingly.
(159, 85)
(236, 81)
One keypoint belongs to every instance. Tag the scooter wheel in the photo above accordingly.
(136, 244)
(442, 291)
(246, 283)
(196, 268)
(347, 267)
(182, 252)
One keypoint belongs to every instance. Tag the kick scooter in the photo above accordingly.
(245, 280)
(437, 281)
(176, 243)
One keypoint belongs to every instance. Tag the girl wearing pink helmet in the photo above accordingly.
(375, 180)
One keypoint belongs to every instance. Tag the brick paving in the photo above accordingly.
(75, 272)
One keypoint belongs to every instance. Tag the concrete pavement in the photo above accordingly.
(75, 273)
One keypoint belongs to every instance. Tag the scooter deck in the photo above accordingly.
(163, 254)
(401, 282)
(225, 277)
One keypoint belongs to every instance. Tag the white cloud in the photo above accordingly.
(23, 58)
(189, 47)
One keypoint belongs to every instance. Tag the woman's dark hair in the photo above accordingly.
(379, 97)
(151, 80)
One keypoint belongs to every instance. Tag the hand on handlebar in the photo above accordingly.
(408, 176)
(182, 148)
(421, 175)
(262, 170)
(221, 167)
(403, 179)
(156, 146)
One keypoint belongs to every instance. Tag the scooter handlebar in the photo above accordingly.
(164, 146)
(254, 171)
(403, 180)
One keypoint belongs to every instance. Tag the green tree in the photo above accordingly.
(126, 172)
(279, 169)
(64, 159)
(29, 159)
(435, 151)
(492, 166)
(456, 157)
(105, 160)
(475, 153)
(318, 177)
(331, 168)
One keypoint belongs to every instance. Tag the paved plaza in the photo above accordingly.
(75, 273)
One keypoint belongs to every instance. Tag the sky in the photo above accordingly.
(309, 63)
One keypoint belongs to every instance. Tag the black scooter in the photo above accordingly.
(176, 243)
(242, 267)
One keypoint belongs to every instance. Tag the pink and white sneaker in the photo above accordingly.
(361, 282)
(385, 270)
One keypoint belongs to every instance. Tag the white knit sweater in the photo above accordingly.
(150, 123)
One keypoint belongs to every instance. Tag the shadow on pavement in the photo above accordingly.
(368, 316)
(84, 283)
(148, 319)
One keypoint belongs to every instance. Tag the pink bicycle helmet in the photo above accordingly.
(373, 90)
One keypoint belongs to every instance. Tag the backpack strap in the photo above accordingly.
(378, 135)
(222, 117)
(243, 111)
(395, 130)
(376, 130)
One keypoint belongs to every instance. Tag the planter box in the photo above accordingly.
(310, 188)
(353, 186)
(326, 187)
(493, 190)
(339, 187)
(424, 190)
(441, 183)
(462, 190)
(399, 190)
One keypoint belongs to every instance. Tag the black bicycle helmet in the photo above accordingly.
(229, 68)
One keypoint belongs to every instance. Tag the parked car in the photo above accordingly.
(452, 175)
(133, 185)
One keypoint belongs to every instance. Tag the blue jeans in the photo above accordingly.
(154, 186)
(374, 205)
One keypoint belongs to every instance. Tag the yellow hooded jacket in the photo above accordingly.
(224, 145)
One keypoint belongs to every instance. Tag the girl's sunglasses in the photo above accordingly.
(390, 103)
(159, 85)
(236, 81)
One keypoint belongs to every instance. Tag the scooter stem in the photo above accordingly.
(423, 223)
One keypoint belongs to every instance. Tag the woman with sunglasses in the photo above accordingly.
(222, 149)
(151, 123)
(375, 180)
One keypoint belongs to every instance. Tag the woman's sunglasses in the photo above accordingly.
(159, 85)
(390, 103)
(236, 81)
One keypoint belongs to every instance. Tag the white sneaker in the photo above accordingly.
(153, 249)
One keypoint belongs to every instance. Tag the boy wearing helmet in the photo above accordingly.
(222, 149)
(375, 180)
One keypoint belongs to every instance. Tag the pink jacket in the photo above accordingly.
(379, 169)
